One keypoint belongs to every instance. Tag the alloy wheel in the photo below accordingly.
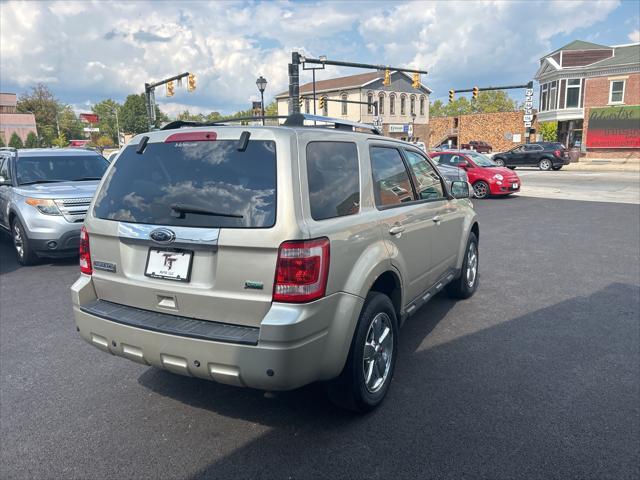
(378, 352)
(472, 264)
(481, 190)
(545, 164)
(499, 163)
(18, 242)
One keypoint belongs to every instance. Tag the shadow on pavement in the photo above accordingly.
(8, 262)
(552, 393)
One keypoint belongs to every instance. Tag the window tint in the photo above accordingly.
(60, 168)
(391, 181)
(213, 177)
(532, 148)
(333, 178)
(450, 159)
(4, 168)
(428, 182)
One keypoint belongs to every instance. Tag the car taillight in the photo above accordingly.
(557, 153)
(301, 271)
(85, 252)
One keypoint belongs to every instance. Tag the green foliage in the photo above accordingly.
(104, 141)
(69, 124)
(549, 131)
(44, 106)
(31, 141)
(2, 144)
(15, 141)
(271, 109)
(107, 111)
(487, 102)
(133, 115)
(60, 141)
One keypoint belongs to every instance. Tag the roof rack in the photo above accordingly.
(294, 120)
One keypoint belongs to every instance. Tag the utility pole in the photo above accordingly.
(150, 96)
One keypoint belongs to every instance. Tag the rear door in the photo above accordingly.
(532, 154)
(188, 226)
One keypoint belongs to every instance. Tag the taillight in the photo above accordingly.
(85, 252)
(301, 271)
(557, 153)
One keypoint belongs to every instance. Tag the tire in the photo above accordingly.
(499, 162)
(466, 284)
(512, 168)
(481, 189)
(559, 167)
(21, 244)
(351, 390)
(545, 165)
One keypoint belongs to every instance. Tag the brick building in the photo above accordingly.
(402, 109)
(502, 130)
(593, 92)
(13, 122)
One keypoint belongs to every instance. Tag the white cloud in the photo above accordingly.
(109, 49)
(635, 36)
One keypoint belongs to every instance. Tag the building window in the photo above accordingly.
(572, 98)
(392, 104)
(412, 105)
(344, 97)
(307, 105)
(421, 106)
(544, 96)
(381, 104)
(403, 105)
(370, 102)
(325, 108)
(552, 96)
(616, 91)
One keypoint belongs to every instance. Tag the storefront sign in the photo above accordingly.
(614, 127)
(398, 128)
(528, 108)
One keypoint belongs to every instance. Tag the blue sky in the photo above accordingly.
(89, 51)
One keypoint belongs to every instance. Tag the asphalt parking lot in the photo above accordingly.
(536, 376)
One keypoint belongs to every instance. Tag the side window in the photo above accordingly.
(333, 177)
(428, 181)
(4, 168)
(448, 159)
(390, 178)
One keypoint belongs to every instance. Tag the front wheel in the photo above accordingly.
(467, 283)
(499, 162)
(367, 374)
(545, 164)
(481, 189)
(21, 244)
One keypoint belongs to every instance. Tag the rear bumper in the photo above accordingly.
(296, 345)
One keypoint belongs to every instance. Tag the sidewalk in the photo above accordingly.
(604, 165)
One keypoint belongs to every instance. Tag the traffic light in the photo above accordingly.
(416, 80)
(387, 78)
(191, 82)
(452, 94)
(475, 93)
(321, 103)
(170, 89)
(301, 102)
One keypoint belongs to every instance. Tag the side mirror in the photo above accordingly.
(460, 189)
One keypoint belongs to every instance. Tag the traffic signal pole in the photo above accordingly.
(150, 96)
(294, 74)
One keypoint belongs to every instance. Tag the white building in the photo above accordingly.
(401, 107)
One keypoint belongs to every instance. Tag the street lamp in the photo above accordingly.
(261, 82)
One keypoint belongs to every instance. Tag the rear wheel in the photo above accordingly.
(499, 162)
(21, 244)
(559, 167)
(545, 164)
(467, 283)
(366, 376)
(481, 189)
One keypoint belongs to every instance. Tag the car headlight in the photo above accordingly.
(497, 176)
(44, 205)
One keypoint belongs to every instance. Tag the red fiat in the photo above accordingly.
(484, 175)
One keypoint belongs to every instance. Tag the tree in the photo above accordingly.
(60, 141)
(44, 106)
(2, 144)
(493, 101)
(69, 124)
(31, 141)
(271, 110)
(15, 141)
(549, 131)
(104, 141)
(133, 115)
(106, 111)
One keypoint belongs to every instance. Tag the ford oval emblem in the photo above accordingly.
(162, 235)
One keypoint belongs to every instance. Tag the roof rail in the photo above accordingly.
(222, 121)
(11, 149)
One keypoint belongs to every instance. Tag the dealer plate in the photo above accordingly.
(169, 264)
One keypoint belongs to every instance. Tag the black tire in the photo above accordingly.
(21, 244)
(499, 162)
(463, 286)
(481, 189)
(511, 167)
(559, 167)
(545, 164)
(350, 389)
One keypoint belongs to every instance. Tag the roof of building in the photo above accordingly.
(580, 45)
(340, 83)
(13, 119)
(623, 55)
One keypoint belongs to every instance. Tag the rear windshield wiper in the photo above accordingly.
(180, 209)
(42, 181)
(85, 178)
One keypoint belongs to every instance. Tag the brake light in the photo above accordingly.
(85, 252)
(301, 271)
(557, 153)
(192, 137)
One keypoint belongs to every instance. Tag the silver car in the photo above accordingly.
(271, 257)
(44, 195)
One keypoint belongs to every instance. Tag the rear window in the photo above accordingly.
(59, 168)
(333, 178)
(193, 184)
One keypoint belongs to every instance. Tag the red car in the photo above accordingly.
(484, 175)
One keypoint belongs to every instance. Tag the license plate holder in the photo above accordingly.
(514, 186)
(169, 264)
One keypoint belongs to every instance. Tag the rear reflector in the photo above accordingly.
(301, 271)
(85, 252)
(192, 137)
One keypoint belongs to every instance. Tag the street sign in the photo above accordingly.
(377, 121)
(90, 129)
(528, 108)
